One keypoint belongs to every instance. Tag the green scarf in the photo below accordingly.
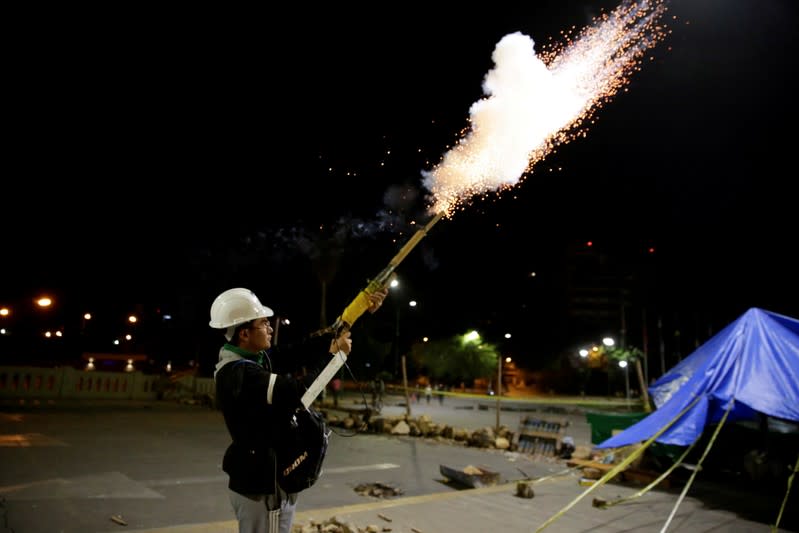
(255, 357)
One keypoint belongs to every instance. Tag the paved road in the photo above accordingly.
(70, 468)
(473, 413)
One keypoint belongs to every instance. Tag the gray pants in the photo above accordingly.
(257, 512)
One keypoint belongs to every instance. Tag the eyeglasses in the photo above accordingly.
(261, 325)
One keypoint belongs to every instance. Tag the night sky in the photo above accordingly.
(156, 159)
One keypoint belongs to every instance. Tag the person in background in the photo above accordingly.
(336, 386)
(373, 389)
(255, 391)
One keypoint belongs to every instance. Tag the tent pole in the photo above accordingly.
(619, 467)
(661, 345)
(698, 466)
(787, 491)
(649, 487)
(642, 382)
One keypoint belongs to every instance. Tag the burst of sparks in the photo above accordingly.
(534, 104)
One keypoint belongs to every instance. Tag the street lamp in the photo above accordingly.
(4, 312)
(499, 385)
(609, 342)
(393, 285)
(276, 328)
(623, 364)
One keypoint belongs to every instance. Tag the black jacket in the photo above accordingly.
(256, 403)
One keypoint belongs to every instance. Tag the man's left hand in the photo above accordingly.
(376, 299)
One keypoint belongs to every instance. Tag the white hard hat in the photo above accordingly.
(236, 306)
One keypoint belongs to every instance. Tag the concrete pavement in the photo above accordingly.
(560, 502)
(499, 509)
(160, 464)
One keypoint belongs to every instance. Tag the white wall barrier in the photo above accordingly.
(48, 383)
(199, 386)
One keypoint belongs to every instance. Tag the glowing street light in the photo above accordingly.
(623, 364)
(394, 285)
(472, 336)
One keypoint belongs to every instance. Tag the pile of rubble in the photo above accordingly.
(423, 426)
(335, 525)
(378, 490)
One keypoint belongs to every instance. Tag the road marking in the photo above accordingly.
(231, 526)
(193, 480)
(183, 481)
(106, 485)
(361, 468)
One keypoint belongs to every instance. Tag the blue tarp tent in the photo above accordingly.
(753, 361)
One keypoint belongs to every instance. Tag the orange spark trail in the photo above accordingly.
(534, 104)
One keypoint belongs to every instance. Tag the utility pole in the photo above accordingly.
(645, 337)
(405, 386)
(627, 383)
(662, 346)
(397, 339)
(499, 387)
(623, 332)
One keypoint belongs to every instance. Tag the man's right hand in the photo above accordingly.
(342, 343)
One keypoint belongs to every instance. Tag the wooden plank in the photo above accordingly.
(632, 475)
(542, 434)
(604, 467)
(478, 477)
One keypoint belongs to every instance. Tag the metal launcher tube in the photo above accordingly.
(358, 307)
(360, 303)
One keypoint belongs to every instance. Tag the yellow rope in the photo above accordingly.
(787, 491)
(619, 467)
(646, 489)
(698, 466)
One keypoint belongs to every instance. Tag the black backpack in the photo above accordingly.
(300, 450)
